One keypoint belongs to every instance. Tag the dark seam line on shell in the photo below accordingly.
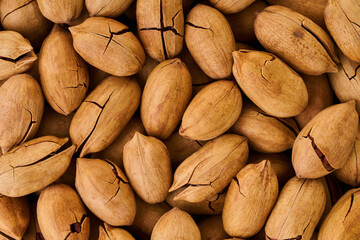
(355, 72)
(350, 21)
(107, 234)
(200, 27)
(168, 64)
(6, 236)
(281, 122)
(203, 84)
(161, 32)
(299, 237)
(108, 2)
(125, 30)
(217, 198)
(58, 105)
(76, 227)
(16, 59)
(16, 9)
(117, 177)
(261, 69)
(351, 204)
(237, 182)
(29, 127)
(198, 143)
(77, 75)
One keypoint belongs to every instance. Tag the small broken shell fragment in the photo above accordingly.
(14, 218)
(300, 42)
(105, 190)
(111, 233)
(176, 224)
(61, 214)
(326, 142)
(297, 210)
(34, 165)
(21, 109)
(104, 114)
(108, 45)
(210, 169)
(16, 54)
(342, 222)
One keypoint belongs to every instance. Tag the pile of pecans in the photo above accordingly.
(111, 128)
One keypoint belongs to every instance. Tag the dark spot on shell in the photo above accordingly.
(298, 33)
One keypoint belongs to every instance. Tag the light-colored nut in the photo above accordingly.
(61, 11)
(106, 8)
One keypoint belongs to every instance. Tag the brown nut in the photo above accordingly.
(148, 167)
(212, 111)
(270, 83)
(16, 54)
(93, 127)
(61, 11)
(161, 27)
(210, 41)
(33, 165)
(105, 190)
(211, 228)
(210, 169)
(319, 148)
(106, 8)
(110, 233)
(21, 108)
(66, 79)
(61, 214)
(108, 45)
(231, 6)
(166, 94)
(176, 224)
(296, 39)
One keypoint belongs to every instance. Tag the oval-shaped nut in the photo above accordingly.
(14, 218)
(108, 45)
(280, 163)
(63, 73)
(242, 23)
(345, 82)
(212, 111)
(210, 41)
(342, 221)
(210, 169)
(148, 167)
(61, 214)
(165, 97)
(309, 8)
(211, 228)
(251, 195)
(114, 152)
(231, 6)
(105, 190)
(61, 11)
(213, 205)
(21, 109)
(106, 8)
(16, 54)
(176, 224)
(296, 39)
(325, 143)
(297, 210)
(320, 97)
(33, 165)
(161, 27)
(110, 233)
(265, 133)
(147, 215)
(343, 21)
(349, 173)
(25, 18)
(270, 83)
(104, 114)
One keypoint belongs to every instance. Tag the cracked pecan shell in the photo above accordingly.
(165, 97)
(271, 84)
(63, 73)
(14, 218)
(148, 167)
(61, 214)
(296, 39)
(16, 54)
(325, 143)
(210, 169)
(105, 190)
(106, 8)
(297, 211)
(265, 133)
(343, 22)
(212, 111)
(61, 11)
(251, 195)
(210, 41)
(160, 25)
(34, 165)
(346, 82)
(342, 222)
(108, 45)
(110, 233)
(21, 109)
(104, 114)
(176, 224)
